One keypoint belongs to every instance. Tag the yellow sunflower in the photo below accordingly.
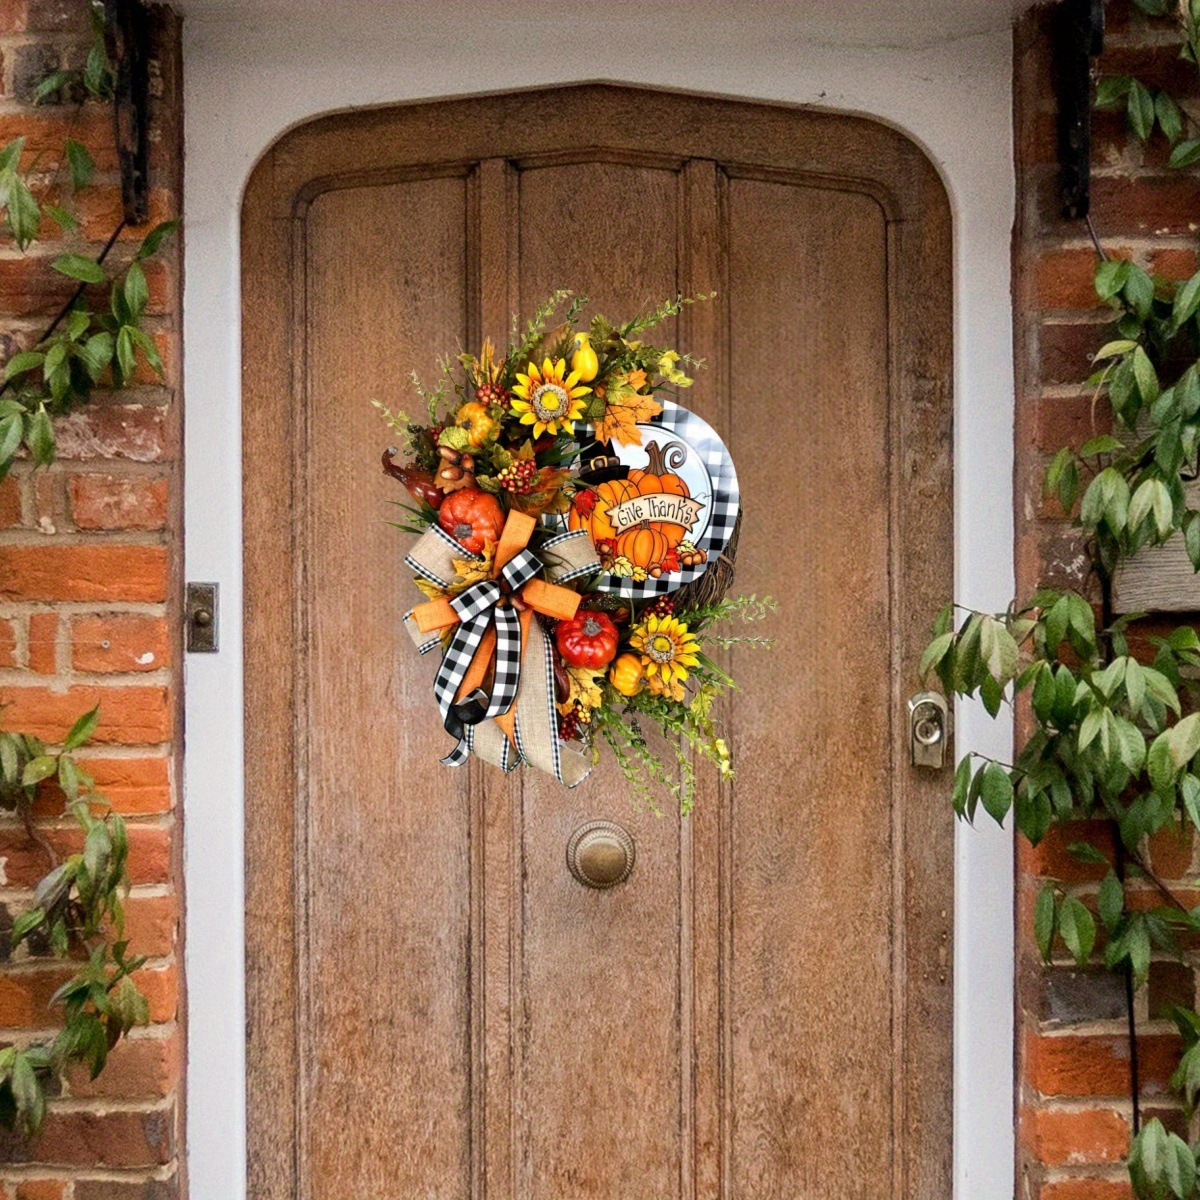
(549, 398)
(667, 651)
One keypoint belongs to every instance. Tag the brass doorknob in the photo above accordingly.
(600, 854)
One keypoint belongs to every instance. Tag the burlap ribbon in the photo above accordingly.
(500, 663)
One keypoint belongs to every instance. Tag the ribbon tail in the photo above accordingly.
(507, 675)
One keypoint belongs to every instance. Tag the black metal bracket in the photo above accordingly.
(127, 29)
(1078, 30)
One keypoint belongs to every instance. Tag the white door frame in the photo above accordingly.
(249, 78)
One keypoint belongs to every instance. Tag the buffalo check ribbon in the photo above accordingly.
(480, 675)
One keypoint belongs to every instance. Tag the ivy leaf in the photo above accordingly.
(1111, 901)
(27, 1092)
(1090, 727)
(1085, 852)
(1152, 499)
(39, 435)
(1170, 121)
(1183, 740)
(1185, 154)
(83, 729)
(1144, 373)
(1104, 444)
(1189, 790)
(996, 791)
(935, 652)
(1191, 538)
(81, 164)
(96, 353)
(1187, 392)
(136, 292)
(126, 361)
(1186, 1079)
(38, 769)
(77, 266)
(1077, 928)
(10, 156)
(1111, 90)
(68, 776)
(1110, 278)
(545, 476)
(1140, 109)
(154, 239)
(1161, 1165)
(1055, 624)
(25, 360)
(24, 215)
(51, 84)
(962, 783)
(1045, 920)
(997, 649)
(1159, 766)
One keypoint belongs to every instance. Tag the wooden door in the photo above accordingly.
(436, 1008)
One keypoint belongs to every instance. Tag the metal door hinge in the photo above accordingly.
(201, 617)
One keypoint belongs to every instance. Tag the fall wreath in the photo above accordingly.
(576, 540)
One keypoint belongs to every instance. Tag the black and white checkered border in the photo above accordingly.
(724, 505)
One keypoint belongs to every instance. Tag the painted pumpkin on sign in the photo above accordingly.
(644, 545)
(660, 479)
(590, 509)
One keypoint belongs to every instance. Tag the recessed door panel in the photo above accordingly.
(384, 830)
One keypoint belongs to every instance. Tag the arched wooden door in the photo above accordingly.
(436, 1008)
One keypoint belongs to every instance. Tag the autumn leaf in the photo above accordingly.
(430, 590)
(585, 689)
(469, 571)
(625, 408)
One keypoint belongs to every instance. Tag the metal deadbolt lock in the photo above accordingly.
(927, 730)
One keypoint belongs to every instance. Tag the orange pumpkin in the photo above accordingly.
(601, 499)
(644, 545)
(659, 479)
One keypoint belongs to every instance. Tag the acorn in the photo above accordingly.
(457, 470)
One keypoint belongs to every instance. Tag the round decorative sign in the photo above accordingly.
(661, 512)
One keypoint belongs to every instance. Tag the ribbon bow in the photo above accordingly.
(494, 620)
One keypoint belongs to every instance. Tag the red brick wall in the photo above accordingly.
(89, 581)
(1074, 1111)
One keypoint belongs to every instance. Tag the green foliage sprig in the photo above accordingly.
(97, 338)
(77, 912)
(1113, 729)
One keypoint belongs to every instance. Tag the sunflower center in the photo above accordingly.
(660, 648)
(549, 401)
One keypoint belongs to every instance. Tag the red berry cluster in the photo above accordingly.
(571, 726)
(663, 606)
(493, 393)
(518, 476)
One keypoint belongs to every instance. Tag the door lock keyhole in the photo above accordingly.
(927, 730)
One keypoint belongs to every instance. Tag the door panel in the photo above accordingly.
(437, 1008)
(811, 894)
(387, 891)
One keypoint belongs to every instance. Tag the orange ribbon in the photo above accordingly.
(549, 599)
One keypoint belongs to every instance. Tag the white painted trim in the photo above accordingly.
(245, 84)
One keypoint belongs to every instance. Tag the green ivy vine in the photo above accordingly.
(1108, 734)
(96, 340)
